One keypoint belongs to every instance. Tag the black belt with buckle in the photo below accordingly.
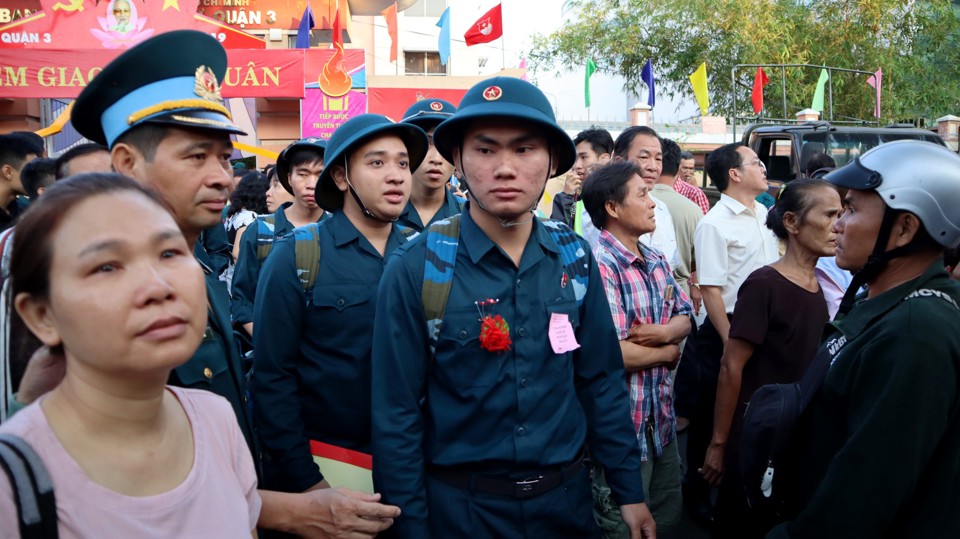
(522, 489)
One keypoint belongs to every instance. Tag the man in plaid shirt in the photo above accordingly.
(684, 183)
(650, 312)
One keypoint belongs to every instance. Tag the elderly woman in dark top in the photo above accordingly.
(774, 335)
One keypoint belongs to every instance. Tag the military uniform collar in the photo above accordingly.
(478, 244)
(449, 208)
(865, 311)
(281, 214)
(345, 232)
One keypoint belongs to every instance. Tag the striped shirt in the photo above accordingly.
(692, 192)
(636, 292)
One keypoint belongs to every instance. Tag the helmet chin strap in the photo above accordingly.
(506, 223)
(877, 260)
(363, 207)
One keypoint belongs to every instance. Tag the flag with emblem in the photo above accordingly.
(487, 28)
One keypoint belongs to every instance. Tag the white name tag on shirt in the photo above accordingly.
(562, 338)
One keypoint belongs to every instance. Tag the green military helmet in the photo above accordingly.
(170, 79)
(283, 160)
(427, 113)
(510, 99)
(352, 134)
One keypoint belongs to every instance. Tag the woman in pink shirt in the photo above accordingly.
(102, 273)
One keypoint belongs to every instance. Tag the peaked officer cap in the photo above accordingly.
(170, 79)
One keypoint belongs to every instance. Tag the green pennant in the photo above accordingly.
(818, 95)
(591, 67)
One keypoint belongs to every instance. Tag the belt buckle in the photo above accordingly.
(527, 488)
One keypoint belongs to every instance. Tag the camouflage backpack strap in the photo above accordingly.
(407, 232)
(574, 256)
(306, 245)
(442, 239)
(266, 225)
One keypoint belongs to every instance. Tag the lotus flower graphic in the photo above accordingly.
(121, 28)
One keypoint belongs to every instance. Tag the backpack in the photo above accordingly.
(32, 488)
(265, 235)
(770, 420)
(768, 427)
(442, 239)
(306, 247)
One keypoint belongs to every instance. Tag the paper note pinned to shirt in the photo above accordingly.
(562, 338)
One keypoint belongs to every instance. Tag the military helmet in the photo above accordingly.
(507, 98)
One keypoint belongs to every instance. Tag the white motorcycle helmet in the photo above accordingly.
(922, 178)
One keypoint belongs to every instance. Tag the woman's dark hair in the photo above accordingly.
(250, 194)
(32, 252)
(795, 198)
(605, 184)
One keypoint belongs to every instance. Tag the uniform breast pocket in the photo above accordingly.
(206, 365)
(561, 365)
(343, 296)
(460, 361)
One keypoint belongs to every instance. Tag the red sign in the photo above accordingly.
(64, 73)
(264, 14)
(394, 102)
(113, 24)
(11, 10)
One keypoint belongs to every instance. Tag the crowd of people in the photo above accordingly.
(348, 344)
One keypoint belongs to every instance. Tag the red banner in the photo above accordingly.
(393, 102)
(264, 14)
(113, 24)
(64, 73)
(11, 10)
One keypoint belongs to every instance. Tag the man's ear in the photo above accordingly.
(734, 175)
(604, 158)
(554, 159)
(38, 318)
(612, 209)
(126, 159)
(905, 229)
(7, 172)
(339, 175)
(457, 161)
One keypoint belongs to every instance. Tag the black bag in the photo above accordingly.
(32, 488)
(768, 428)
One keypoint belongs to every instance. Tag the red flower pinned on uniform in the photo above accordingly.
(494, 330)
